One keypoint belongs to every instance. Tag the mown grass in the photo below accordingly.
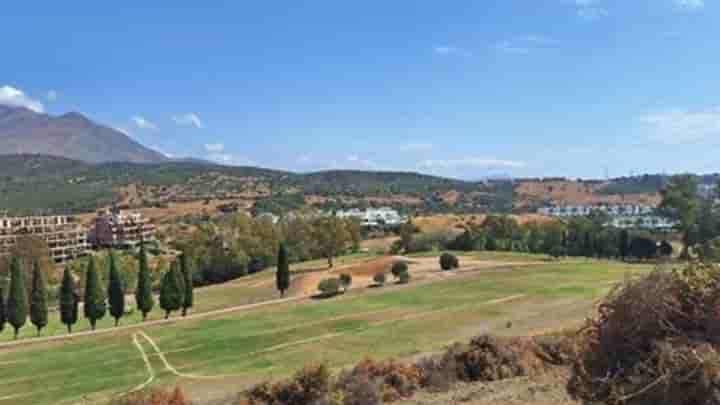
(246, 290)
(275, 341)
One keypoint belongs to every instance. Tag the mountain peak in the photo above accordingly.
(71, 135)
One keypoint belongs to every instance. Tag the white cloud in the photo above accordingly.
(162, 152)
(214, 147)
(123, 131)
(592, 13)
(189, 120)
(304, 159)
(357, 161)
(689, 5)
(589, 10)
(230, 159)
(525, 44)
(416, 147)
(10, 96)
(679, 126)
(51, 95)
(470, 162)
(143, 123)
(451, 50)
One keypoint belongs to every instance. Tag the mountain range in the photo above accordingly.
(70, 135)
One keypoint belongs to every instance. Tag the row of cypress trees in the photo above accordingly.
(176, 292)
(15, 310)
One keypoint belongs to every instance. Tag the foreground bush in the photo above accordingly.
(379, 279)
(654, 341)
(370, 382)
(449, 261)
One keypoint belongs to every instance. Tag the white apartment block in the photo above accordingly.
(374, 217)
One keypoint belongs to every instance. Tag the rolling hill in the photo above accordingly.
(71, 135)
(51, 184)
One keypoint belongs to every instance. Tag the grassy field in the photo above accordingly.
(246, 290)
(228, 352)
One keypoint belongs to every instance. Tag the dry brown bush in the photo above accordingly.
(654, 341)
(154, 397)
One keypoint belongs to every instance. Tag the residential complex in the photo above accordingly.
(585, 210)
(374, 217)
(65, 236)
(117, 229)
(621, 216)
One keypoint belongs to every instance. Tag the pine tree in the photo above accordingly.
(171, 295)
(3, 313)
(187, 275)
(38, 299)
(95, 307)
(17, 302)
(68, 301)
(116, 291)
(143, 293)
(283, 270)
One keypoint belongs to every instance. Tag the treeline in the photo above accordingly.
(237, 245)
(579, 237)
(98, 298)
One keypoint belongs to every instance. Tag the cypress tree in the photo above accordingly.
(17, 302)
(38, 299)
(143, 293)
(171, 295)
(282, 275)
(68, 301)
(187, 276)
(95, 307)
(116, 291)
(3, 314)
(624, 244)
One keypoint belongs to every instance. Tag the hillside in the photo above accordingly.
(70, 135)
(32, 183)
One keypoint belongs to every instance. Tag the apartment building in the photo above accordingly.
(121, 230)
(65, 236)
(374, 217)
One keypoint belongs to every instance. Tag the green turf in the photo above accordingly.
(274, 341)
(246, 290)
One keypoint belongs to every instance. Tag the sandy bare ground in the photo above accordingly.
(548, 389)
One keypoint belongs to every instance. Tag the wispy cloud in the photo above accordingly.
(189, 120)
(10, 96)
(143, 123)
(51, 95)
(471, 162)
(590, 10)
(681, 126)
(214, 147)
(690, 6)
(451, 50)
(523, 45)
(123, 131)
(356, 161)
(416, 146)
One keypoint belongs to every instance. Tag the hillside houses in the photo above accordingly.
(621, 215)
(585, 210)
(374, 217)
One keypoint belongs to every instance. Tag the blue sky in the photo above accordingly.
(466, 89)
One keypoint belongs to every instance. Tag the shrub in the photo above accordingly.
(153, 397)
(379, 279)
(654, 340)
(404, 278)
(329, 287)
(449, 261)
(345, 281)
(427, 242)
(392, 380)
(398, 268)
(309, 386)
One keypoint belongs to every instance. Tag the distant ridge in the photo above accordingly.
(70, 135)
